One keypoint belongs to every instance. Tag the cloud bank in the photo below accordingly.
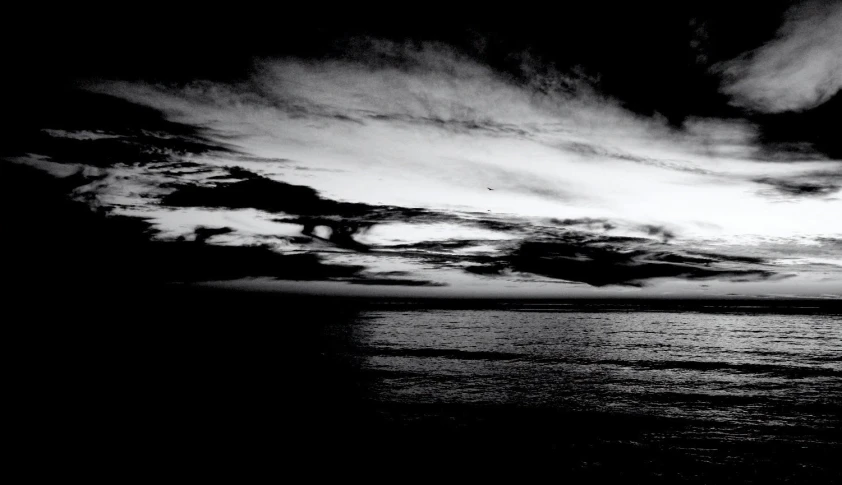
(417, 167)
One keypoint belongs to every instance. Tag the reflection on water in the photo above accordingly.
(717, 389)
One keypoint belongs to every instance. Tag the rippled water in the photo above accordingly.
(733, 389)
(585, 392)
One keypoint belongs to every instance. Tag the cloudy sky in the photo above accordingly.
(642, 153)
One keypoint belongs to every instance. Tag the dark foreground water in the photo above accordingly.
(584, 391)
(735, 395)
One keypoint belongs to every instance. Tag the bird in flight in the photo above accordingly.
(489, 188)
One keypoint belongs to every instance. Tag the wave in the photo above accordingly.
(444, 353)
(788, 371)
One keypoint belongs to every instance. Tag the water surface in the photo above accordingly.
(732, 396)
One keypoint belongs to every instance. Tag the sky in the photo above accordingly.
(613, 152)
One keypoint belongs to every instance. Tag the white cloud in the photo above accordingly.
(42, 162)
(79, 135)
(440, 130)
(406, 233)
(800, 69)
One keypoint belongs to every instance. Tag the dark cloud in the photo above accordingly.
(809, 134)
(444, 259)
(663, 233)
(390, 273)
(835, 243)
(113, 131)
(803, 186)
(568, 255)
(602, 261)
(244, 189)
(441, 246)
(253, 191)
(395, 282)
(713, 257)
(512, 227)
(681, 258)
(342, 232)
(57, 240)
(587, 258)
(54, 240)
(588, 222)
(493, 269)
(194, 261)
(204, 233)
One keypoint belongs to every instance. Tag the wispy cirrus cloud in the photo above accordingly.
(799, 69)
(428, 127)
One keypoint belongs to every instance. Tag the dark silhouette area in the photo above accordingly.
(812, 129)
(57, 245)
(257, 192)
(588, 222)
(202, 234)
(341, 232)
(395, 282)
(232, 383)
(115, 131)
(819, 186)
(607, 260)
(663, 233)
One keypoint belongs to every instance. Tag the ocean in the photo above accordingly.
(229, 385)
(710, 395)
